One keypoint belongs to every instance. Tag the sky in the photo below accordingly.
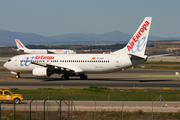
(58, 17)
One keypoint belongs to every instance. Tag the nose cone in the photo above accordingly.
(5, 65)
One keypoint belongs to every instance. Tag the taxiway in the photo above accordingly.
(128, 79)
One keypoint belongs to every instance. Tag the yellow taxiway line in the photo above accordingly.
(138, 88)
(166, 88)
(14, 78)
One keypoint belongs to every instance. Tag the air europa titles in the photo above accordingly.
(137, 36)
(44, 57)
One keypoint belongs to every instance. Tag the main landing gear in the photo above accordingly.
(66, 77)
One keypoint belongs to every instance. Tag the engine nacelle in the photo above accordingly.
(42, 72)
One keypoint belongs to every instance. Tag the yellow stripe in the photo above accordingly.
(2, 79)
(166, 88)
(4, 88)
(14, 78)
(138, 88)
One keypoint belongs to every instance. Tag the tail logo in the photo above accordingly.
(140, 45)
(19, 44)
(138, 35)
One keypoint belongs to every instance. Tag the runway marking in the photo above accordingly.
(4, 88)
(166, 88)
(159, 75)
(138, 88)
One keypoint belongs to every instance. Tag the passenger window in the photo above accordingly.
(7, 93)
(1, 92)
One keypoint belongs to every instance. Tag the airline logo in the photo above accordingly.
(38, 57)
(140, 45)
(19, 44)
(27, 60)
(138, 35)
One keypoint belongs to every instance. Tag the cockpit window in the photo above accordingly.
(9, 60)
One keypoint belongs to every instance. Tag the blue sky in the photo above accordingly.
(58, 17)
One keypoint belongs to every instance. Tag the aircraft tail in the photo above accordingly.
(137, 44)
(20, 46)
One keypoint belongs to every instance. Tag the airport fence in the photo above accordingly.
(52, 109)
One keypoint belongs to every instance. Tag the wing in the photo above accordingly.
(60, 68)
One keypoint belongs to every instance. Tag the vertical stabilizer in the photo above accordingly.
(137, 43)
(19, 44)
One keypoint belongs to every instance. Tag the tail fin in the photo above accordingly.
(137, 43)
(19, 44)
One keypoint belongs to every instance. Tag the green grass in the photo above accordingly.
(159, 75)
(86, 115)
(160, 67)
(161, 62)
(4, 58)
(90, 93)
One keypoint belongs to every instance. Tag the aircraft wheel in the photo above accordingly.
(65, 77)
(17, 76)
(83, 77)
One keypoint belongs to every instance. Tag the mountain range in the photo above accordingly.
(7, 38)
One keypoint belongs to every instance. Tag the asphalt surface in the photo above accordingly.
(130, 106)
(128, 79)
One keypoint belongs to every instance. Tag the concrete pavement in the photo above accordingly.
(129, 106)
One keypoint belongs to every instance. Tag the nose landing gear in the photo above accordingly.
(18, 75)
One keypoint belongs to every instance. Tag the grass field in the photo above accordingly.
(111, 115)
(90, 93)
(159, 76)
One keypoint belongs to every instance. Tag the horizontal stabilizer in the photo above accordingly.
(152, 56)
(133, 56)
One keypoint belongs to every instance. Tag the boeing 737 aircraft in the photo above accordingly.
(21, 47)
(81, 64)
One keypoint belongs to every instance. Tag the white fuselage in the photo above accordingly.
(45, 51)
(88, 63)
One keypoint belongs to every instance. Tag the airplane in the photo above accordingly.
(44, 65)
(21, 47)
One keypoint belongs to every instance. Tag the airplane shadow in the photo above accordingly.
(101, 79)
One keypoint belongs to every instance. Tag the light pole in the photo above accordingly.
(152, 105)
(123, 104)
(95, 108)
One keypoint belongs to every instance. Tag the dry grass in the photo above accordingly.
(139, 115)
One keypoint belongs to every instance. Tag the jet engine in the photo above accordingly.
(41, 72)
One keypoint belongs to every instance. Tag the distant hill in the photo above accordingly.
(7, 38)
